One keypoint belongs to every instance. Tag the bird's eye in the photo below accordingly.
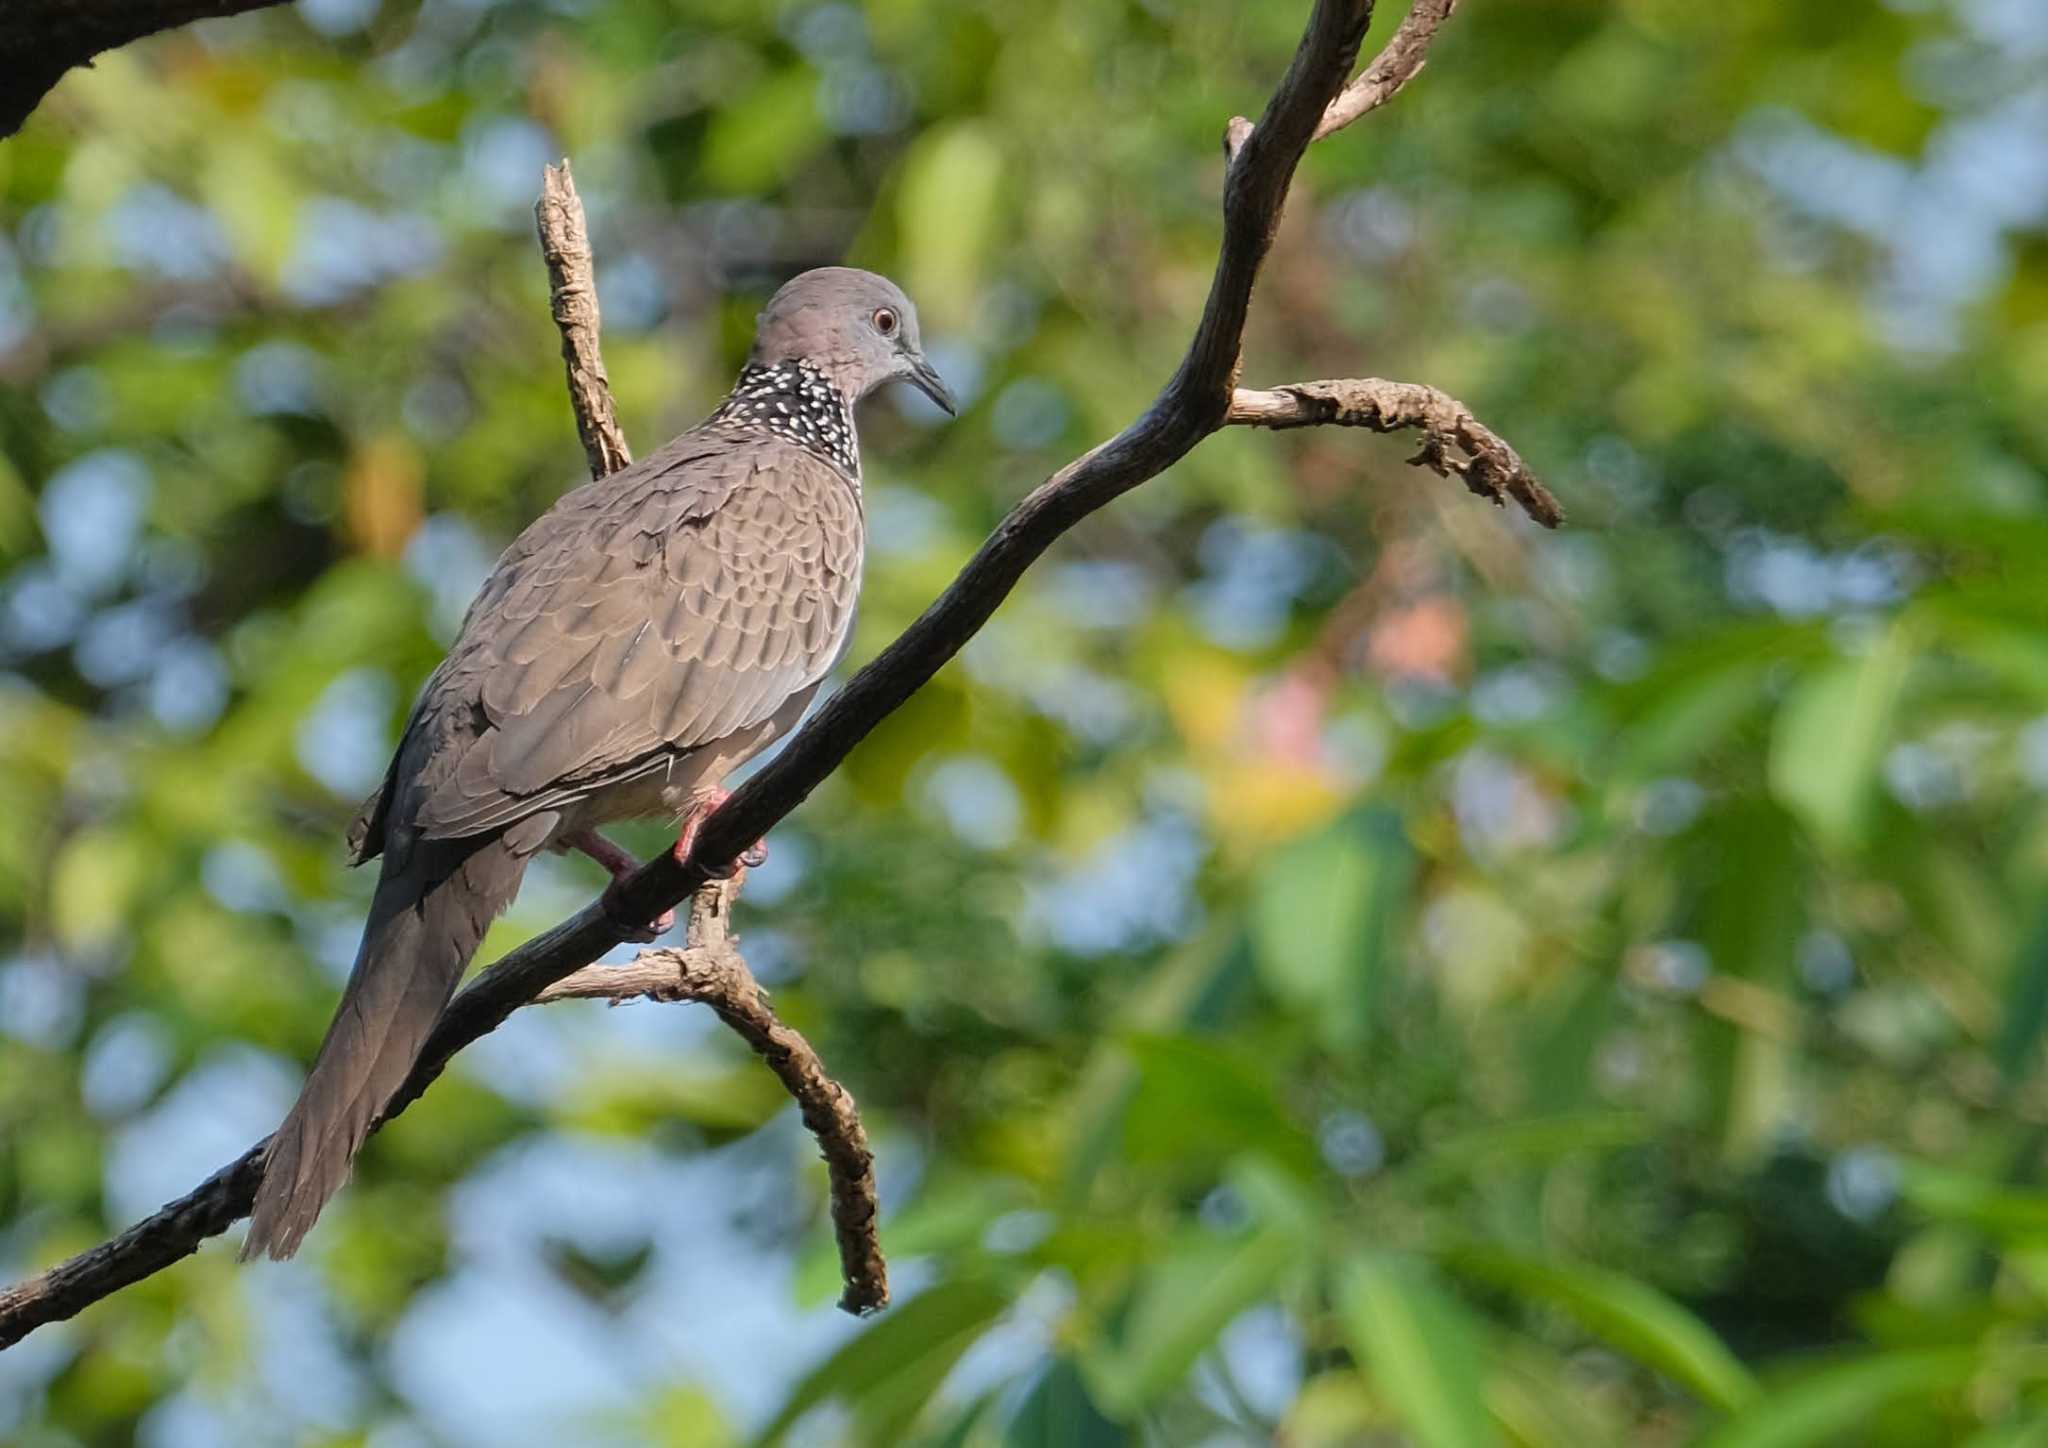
(885, 321)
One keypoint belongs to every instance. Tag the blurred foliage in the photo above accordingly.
(1330, 965)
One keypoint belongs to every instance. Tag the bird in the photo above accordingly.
(640, 640)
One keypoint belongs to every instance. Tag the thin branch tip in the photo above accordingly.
(1454, 442)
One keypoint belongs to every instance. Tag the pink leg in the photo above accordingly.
(620, 864)
(699, 811)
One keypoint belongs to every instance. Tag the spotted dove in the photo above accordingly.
(644, 637)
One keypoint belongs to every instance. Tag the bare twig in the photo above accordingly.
(1398, 63)
(1199, 399)
(572, 296)
(1490, 468)
(710, 970)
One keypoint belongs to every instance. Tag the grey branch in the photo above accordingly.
(572, 296)
(1454, 442)
(1197, 401)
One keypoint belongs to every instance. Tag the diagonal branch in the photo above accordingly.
(1199, 399)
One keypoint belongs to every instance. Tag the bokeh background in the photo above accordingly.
(1331, 964)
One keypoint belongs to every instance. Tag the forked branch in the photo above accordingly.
(1200, 398)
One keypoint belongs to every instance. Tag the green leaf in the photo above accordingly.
(1532, 1142)
(887, 1373)
(1631, 1315)
(1829, 1404)
(1185, 1302)
(2026, 1004)
(1197, 1106)
(952, 184)
(1830, 737)
(1950, 1195)
(757, 141)
(1321, 919)
(1421, 1347)
(1058, 1413)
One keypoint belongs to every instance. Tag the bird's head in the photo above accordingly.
(858, 328)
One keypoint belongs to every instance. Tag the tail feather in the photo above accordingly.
(426, 921)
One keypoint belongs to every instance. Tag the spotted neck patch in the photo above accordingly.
(794, 400)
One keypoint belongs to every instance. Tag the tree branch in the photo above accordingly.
(572, 297)
(1199, 399)
(1398, 63)
(711, 970)
(42, 39)
(1490, 468)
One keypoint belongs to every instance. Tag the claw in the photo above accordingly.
(620, 865)
(686, 836)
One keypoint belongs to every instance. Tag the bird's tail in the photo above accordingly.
(426, 921)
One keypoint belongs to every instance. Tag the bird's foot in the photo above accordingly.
(620, 864)
(686, 836)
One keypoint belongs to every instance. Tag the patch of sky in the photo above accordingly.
(1794, 579)
(1261, 1355)
(342, 248)
(1099, 593)
(1030, 413)
(1826, 964)
(126, 1062)
(1024, 1334)
(1374, 223)
(1253, 573)
(976, 799)
(233, 1097)
(1863, 1182)
(902, 522)
(1134, 890)
(1941, 223)
(502, 157)
(75, 399)
(154, 230)
(1519, 694)
(451, 559)
(338, 17)
(42, 1001)
(42, 612)
(92, 511)
(963, 368)
(188, 686)
(503, 1354)
(437, 407)
(305, 1375)
(17, 312)
(633, 293)
(280, 377)
(121, 644)
(1497, 806)
(243, 878)
(1668, 806)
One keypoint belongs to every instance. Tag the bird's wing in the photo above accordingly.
(653, 611)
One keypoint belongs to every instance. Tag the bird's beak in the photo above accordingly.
(925, 380)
